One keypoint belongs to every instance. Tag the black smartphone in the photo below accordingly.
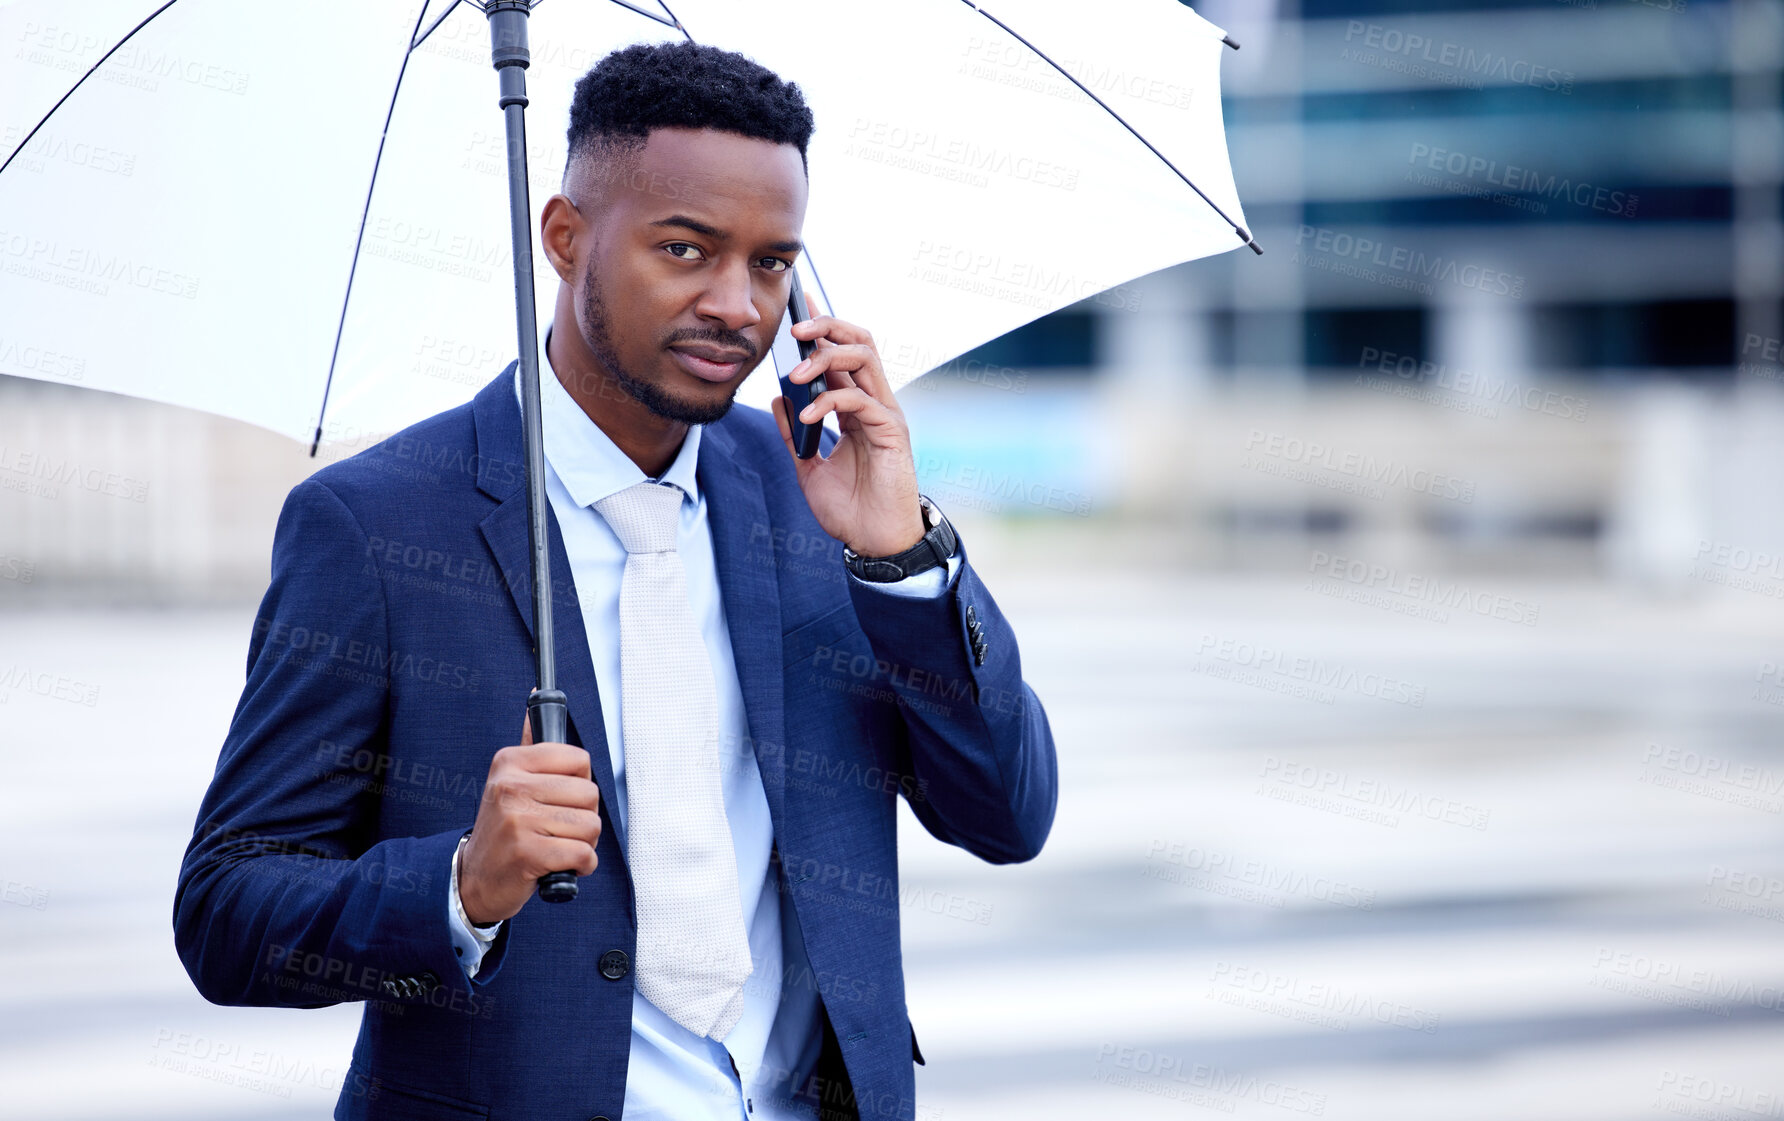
(789, 352)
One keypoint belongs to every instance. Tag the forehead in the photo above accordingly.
(732, 182)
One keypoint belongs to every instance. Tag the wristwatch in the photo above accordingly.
(935, 548)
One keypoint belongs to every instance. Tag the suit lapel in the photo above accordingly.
(501, 473)
(737, 513)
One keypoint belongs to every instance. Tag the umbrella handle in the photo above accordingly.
(547, 710)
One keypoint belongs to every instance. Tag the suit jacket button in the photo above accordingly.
(615, 964)
(971, 615)
(428, 981)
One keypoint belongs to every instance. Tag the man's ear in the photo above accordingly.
(559, 226)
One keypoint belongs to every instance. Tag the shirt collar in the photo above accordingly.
(586, 460)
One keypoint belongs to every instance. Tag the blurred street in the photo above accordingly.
(1311, 857)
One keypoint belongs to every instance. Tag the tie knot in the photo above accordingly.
(644, 516)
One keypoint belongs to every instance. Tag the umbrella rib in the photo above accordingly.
(450, 8)
(1244, 235)
(359, 240)
(83, 77)
(813, 266)
(670, 22)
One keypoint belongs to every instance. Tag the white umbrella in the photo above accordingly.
(184, 224)
(179, 221)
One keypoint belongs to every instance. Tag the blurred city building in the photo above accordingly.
(1519, 304)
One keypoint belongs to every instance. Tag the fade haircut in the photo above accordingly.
(678, 85)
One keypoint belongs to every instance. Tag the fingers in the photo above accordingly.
(565, 790)
(542, 805)
(852, 402)
(835, 377)
(563, 855)
(544, 758)
(566, 824)
(540, 812)
(830, 327)
(845, 365)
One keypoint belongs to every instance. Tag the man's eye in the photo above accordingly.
(674, 245)
(772, 262)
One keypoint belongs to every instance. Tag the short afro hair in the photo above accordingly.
(681, 85)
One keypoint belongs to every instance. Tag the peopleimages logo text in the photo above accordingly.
(1410, 262)
(1480, 65)
(1526, 180)
(1359, 465)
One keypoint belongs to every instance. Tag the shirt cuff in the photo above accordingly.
(928, 584)
(468, 942)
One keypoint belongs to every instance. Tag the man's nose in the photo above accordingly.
(730, 298)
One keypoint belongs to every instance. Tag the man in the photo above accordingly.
(748, 697)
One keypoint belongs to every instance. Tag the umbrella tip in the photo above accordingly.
(1245, 236)
(315, 441)
(1231, 42)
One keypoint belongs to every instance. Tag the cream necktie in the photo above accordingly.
(693, 950)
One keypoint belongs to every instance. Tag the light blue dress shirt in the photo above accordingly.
(672, 1072)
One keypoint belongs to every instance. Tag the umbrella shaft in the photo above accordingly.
(508, 39)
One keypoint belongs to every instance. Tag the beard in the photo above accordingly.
(649, 394)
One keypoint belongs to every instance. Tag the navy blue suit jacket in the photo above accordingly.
(391, 658)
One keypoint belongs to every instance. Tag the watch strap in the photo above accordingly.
(936, 546)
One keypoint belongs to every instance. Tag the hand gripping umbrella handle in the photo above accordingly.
(546, 709)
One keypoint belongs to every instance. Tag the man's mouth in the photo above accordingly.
(710, 363)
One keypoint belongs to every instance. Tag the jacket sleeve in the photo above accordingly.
(284, 895)
(977, 745)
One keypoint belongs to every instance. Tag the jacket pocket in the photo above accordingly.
(829, 629)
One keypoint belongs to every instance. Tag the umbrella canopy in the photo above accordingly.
(186, 225)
